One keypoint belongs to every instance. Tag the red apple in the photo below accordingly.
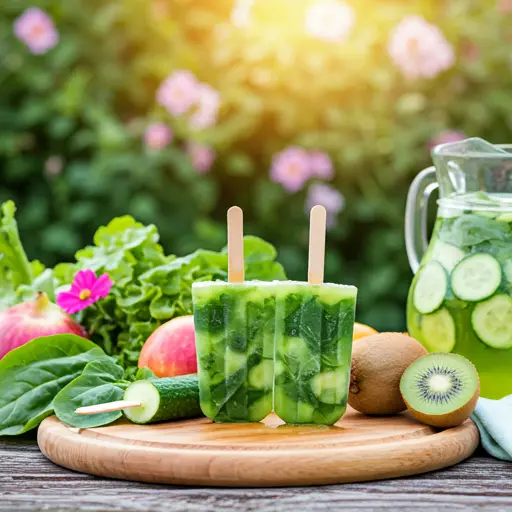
(29, 320)
(171, 349)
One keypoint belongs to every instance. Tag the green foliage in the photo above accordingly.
(149, 288)
(33, 374)
(85, 104)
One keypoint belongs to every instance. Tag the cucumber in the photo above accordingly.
(476, 277)
(430, 289)
(261, 374)
(448, 255)
(438, 331)
(170, 398)
(504, 217)
(330, 387)
(234, 361)
(507, 270)
(485, 214)
(492, 321)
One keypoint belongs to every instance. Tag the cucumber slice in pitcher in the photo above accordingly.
(507, 270)
(476, 277)
(504, 217)
(430, 288)
(492, 321)
(438, 331)
(448, 255)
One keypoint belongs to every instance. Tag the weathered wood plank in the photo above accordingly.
(29, 482)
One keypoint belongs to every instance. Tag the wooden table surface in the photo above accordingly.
(29, 482)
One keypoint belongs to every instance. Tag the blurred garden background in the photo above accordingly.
(174, 110)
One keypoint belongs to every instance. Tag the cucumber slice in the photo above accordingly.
(430, 288)
(476, 277)
(492, 321)
(507, 270)
(485, 214)
(290, 410)
(234, 361)
(260, 409)
(438, 331)
(262, 375)
(330, 387)
(170, 398)
(448, 255)
(505, 217)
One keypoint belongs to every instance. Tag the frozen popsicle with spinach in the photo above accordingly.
(313, 348)
(234, 325)
(313, 340)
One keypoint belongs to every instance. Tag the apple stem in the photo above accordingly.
(42, 302)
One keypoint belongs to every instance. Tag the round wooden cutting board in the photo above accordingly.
(199, 452)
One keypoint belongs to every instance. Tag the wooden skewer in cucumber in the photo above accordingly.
(152, 400)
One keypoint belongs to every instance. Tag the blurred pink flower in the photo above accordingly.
(504, 6)
(53, 166)
(36, 29)
(419, 49)
(157, 136)
(330, 20)
(470, 50)
(201, 156)
(330, 198)
(207, 108)
(291, 168)
(178, 92)
(446, 136)
(321, 165)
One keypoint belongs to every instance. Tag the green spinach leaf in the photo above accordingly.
(100, 382)
(470, 230)
(33, 374)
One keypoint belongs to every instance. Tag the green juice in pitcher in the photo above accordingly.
(461, 296)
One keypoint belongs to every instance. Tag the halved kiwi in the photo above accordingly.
(441, 389)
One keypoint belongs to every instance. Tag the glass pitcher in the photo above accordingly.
(460, 299)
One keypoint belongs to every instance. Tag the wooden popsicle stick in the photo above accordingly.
(108, 407)
(317, 227)
(235, 245)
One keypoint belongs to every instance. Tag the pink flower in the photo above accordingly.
(36, 29)
(321, 165)
(419, 49)
(330, 20)
(291, 168)
(201, 156)
(85, 290)
(178, 92)
(504, 6)
(445, 137)
(157, 136)
(330, 198)
(207, 108)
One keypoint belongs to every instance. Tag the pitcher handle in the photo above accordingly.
(416, 211)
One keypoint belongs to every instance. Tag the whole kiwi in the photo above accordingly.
(378, 362)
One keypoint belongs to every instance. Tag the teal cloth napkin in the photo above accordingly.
(494, 421)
